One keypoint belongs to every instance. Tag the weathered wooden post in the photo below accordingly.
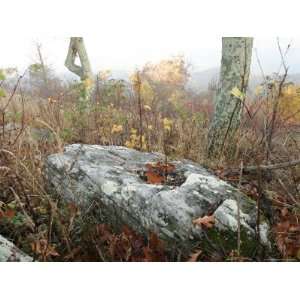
(84, 71)
(234, 76)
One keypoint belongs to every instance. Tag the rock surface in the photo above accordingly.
(108, 175)
(10, 253)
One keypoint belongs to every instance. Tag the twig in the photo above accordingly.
(13, 92)
(139, 98)
(271, 126)
(260, 66)
(258, 202)
(287, 191)
(239, 211)
(250, 169)
(30, 223)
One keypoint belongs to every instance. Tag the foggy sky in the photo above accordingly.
(126, 52)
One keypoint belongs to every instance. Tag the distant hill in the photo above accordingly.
(200, 80)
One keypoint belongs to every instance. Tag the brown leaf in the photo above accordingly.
(156, 172)
(9, 213)
(206, 221)
(155, 250)
(154, 178)
(147, 254)
(284, 212)
(287, 236)
(72, 254)
(51, 251)
(161, 168)
(104, 233)
(127, 231)
(41, 247)
(155, 242)
(195, 255)
(73, 209)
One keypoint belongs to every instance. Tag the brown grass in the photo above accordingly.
(50, 229)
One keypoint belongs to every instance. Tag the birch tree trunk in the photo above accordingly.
(84, 71)
(44, 69)
(234, 76)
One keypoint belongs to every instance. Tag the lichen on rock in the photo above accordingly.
(110, 175)
(10, 253)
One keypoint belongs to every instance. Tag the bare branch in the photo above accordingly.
(253, 169)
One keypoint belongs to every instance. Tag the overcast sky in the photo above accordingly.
(126, 52)
(124, 35)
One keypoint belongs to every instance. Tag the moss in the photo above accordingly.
(226, 241)
(248, 206)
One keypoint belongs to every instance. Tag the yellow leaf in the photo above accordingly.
(167, 124)
(128, 144)
(88, 82)
(117, 128)
(237, 93)
(258, 90)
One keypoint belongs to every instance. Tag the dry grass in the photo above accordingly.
(50, 229)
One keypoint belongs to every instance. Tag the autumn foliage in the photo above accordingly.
(160, 115)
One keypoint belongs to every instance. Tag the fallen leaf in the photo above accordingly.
(206, 221)
(154, 178)
(284, 212)
(9, 213)
(157, 172)
(41, 247)
(195, 255)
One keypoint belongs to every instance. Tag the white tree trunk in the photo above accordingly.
(234, 76)
(44, 69)
(84, 71)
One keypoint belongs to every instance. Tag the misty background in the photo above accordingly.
(122, 54)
